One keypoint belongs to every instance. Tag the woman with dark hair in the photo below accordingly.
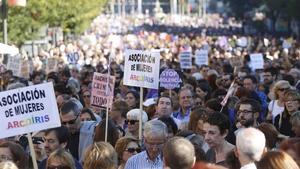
(197, 118)
(87, 115)
(271, 133)
(11, 151)
(113, 133)
(126, 147)
(133, 99)
(292, 104)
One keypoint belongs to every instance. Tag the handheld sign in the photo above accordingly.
(141, 69)
(201, 57)
(257, 61)
(28, 109)
(185, 60)
(102, 94)
(25, 71)
(14, 63)
(73, 57)
(169, 79)
(51, 65)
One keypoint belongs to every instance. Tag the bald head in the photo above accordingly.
(250, 143)
(179, 153)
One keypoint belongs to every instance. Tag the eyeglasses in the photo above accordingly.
(244, 111)
(283, 89)
(132, 150)
(86, 96)
(131, 122)
(157, 145)
(291, 100)
(58, 167)
(70, 122)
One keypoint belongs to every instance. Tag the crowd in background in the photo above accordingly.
(257, 125)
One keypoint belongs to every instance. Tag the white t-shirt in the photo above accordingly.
(275, 109)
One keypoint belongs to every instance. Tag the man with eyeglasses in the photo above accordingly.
(155, 136)
(81, 133)
(247, 113)
(54, 139)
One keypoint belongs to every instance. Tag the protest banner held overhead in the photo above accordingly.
(14, 63)
(73, 57)
(141, 69)
(185, 59)
(201, 57)
(169, 79)
(102, 90)
(28, 109)
(256, 61)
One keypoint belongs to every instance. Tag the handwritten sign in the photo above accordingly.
(256, 61)
(102, 90)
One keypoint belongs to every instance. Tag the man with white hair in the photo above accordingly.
(155, 136)
(250, 145)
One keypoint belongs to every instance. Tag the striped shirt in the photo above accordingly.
(142, 161)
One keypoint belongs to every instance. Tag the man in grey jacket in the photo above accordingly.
(81, 133)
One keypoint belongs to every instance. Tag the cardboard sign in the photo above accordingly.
(102, 90)
(236, 61)
(73, 57)
(141, 69)
(201, 57)
(169, 79)
(257, 61)
(14, 63)
(185, 59)
(25, 71)
(51, 65)
(28, 109)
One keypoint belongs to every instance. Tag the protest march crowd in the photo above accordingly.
(225, 99)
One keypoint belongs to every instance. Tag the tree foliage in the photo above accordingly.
(73, 16)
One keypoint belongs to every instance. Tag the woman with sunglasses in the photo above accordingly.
(276, 106)
(132, 122)
(126, 147)
(60, 159)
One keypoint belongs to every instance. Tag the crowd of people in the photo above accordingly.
(224, 115)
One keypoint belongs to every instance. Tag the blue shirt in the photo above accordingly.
(142, 161)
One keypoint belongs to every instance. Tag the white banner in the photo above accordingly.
(201, 57)
(28, 109)
(185, 59)
(141, 69)
(256, 61)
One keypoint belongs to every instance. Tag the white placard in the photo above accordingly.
(73, 57)
(14, 63)
(201, 57)
(51, 65)
(28, 109)
(256, 61)
(185, 60)
(141, 68)
(242, 42)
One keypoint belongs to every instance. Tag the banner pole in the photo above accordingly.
(33, 157)
(106, 93)
(170, 93)
(141, 113)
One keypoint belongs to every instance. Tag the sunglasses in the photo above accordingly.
(132, 150)
(283, 89)
(86, 96)
(58, 167)
(70, 122)
(132, 122)
(37, 140)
